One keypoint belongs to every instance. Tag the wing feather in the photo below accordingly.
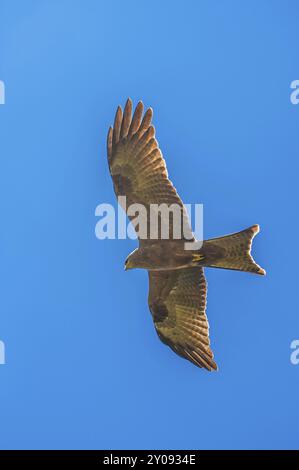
(138, 168)
(137, 118)
(177, 300)
(117, 126)
(126, 121)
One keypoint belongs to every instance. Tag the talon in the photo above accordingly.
(198, 257)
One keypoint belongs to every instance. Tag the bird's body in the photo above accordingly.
(155, 257)
(177, 294)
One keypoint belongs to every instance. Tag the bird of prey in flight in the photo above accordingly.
(177, 284)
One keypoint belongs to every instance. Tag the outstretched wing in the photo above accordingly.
(139, 171)
(177, 300)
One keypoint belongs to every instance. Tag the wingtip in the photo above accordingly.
(262, 272)
(139, 107)
(210, 367)
(129, 102)
(148, 116)
(109, 141)
(118, 117)
(109, 135)
(213, 366)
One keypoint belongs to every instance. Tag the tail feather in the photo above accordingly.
(233, 251)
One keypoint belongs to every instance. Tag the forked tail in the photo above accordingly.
(233, 251)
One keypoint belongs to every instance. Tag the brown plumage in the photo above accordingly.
(177, 300)
(177, 285)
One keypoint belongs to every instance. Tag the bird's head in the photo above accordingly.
(136, 259)
(131, 261)
(129, 264)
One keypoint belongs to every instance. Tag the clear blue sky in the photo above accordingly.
(85, 368)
